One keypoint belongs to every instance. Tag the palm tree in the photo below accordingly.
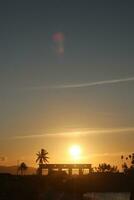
(22, 168)
(42, 158)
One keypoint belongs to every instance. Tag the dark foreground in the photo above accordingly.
(56, 187)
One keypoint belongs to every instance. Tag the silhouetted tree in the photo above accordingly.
(42, 158)
(106, 168)
(22, 168)
(125, 167)
(128, 165)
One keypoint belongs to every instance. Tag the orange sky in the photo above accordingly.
(66, 77)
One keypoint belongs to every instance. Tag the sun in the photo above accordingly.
(75, 151)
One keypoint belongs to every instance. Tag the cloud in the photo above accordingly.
(83, 132)
(83, 85)
(63, 134)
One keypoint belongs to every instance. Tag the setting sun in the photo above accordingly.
(75, 151)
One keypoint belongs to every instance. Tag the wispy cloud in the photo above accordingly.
(63, 134)
(83, 85)
(83, 132)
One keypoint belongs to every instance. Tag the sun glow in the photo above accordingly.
(75, 151)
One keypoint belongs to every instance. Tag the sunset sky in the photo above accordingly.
(66, 77)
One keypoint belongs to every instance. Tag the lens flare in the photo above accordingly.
(58, 43)
(58, 37)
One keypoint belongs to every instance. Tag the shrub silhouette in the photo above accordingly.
(106, 168)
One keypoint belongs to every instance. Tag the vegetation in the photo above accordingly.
(42, 158)
(22, 168)
(128, 163)
(106, 168)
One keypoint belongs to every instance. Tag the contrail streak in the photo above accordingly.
(77, 133)
(83, 85)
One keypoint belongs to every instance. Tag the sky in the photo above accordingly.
(66, 77)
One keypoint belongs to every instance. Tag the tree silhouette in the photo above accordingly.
(42, 158)
(106, 168)
(128, 165)
(22, 168)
